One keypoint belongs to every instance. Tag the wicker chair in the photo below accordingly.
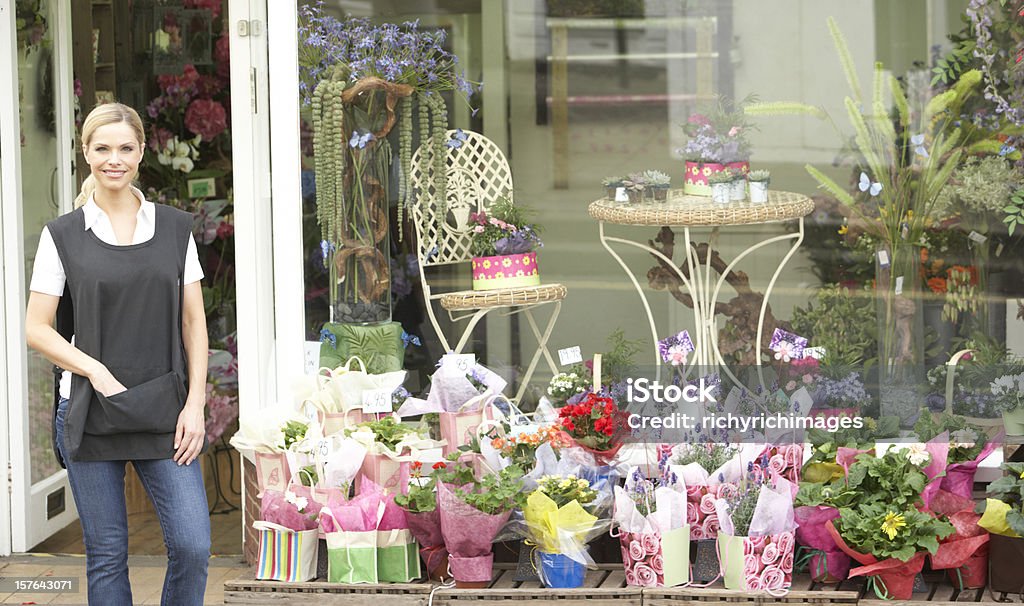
(477, 175)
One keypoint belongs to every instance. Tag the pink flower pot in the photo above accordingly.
(507, 271)
(695, 182)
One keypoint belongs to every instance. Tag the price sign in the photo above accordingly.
(899, 285)
(376, 400)
(311, 357)
(976, 237)
(324, 447)
(464, 362)
(570, 355)
(818, 353)
(883, 258)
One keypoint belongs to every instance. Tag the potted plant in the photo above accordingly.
(420, 505)
(636, 187)
(611, 184)
(559, 519)
(759, 180)
(504, 248)
(657, 184)
(1008, 391)
(471, 517)
(721, 186)
(1001, 516)
(738, 185)
(654, 536)
(595, 424)
(716, 140)
(770, 510)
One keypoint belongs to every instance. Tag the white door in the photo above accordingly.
(36, 141)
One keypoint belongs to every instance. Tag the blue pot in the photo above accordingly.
(561, 572)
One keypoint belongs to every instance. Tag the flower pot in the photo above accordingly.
(609, 192)
(1013, 422)
(738, 190)
(635, 197)
(472, 584)
(759, 192)
(705, 561)
(506, 271)
(559, 571)
(1005, 556)
(721, 193)
(660, 194)
(695, 182)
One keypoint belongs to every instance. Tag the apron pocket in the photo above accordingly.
(150, 407)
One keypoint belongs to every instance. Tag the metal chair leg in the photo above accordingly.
(542, 348)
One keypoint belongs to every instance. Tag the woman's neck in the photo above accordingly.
(123, 201)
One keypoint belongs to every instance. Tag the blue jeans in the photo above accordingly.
(179, 496)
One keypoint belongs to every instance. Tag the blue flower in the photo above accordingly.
(408, 339)
(327, 336)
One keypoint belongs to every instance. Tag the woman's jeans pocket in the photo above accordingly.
(150, 407)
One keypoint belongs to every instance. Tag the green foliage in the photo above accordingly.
(387, 431)
(843, 322)
(1014, 211)
(892, 479)
(863, 528)
(496, 493)
(293, 432)
(1010, 490)
(422, 497)
(308, 476)
(833, 494)
(709, 456)
(565, 490)
(741, 509)
(980, 186)
(456, 471)
(967, 441)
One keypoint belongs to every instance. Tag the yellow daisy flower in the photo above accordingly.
(892, 524)
(843, 229)
(506, 262)
(487, 264)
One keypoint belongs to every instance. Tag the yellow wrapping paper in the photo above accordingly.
(551, 527)
(994, 518)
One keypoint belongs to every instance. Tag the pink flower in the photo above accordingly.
(479, 229)
(707, 504)
(734, 131)
(795, 455)
(636, 550)
(658, 564)
(630, 577)
(790, 386)
(770, 555)
(777, 464)
(710, 526)
(787, 563)
(225, 230)
(807, 379)
(727, 491)
(697, 533)
(757, 543)
(206, 118)
(773, 579)
(700, 119)
(651, 544)
(692, 513)
(751, 565)
(785, 542)
(693, 492)
(645, 576)
(222, 56)
(626, 560)
(754, 584)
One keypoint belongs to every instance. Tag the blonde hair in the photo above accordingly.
(102, 115)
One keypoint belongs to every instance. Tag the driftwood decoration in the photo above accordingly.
(737, 338)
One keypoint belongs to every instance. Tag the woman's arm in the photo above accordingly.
(42, 337)
(191, 430)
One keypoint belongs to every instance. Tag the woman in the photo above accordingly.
(131, 269)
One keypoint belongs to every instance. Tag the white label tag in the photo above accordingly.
(309, 411)
(899, 285)
(999, 249)
(818, 353)
(883, 258)
(463, 362)
(311, 357)
(376, 400)
(976, 237)
(621, 195)
(570, 355)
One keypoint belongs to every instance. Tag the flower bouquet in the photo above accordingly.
(716, 141)
(391, 447)
(470, 520)
(782, 461)
(756, 540)
(890, 543)
(596, 425)
(560, 518)
(652, 529)
(1001, 516)
(504, 248)
(709, 472)
(424, 519)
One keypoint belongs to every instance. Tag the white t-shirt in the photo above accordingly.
(48, 275)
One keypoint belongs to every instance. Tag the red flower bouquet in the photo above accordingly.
(595, 424)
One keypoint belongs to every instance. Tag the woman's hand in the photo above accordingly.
(189, 437)
(104, 382)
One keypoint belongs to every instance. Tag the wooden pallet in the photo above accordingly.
(605, 586)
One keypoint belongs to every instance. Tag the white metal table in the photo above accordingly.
(689, 212)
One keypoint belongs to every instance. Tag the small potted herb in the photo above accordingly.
(610, 185)
(738, 186)
(759, 180)
(721, 186)
(657, 184)
(635, 187)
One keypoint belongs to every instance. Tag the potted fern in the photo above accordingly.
(759, 180)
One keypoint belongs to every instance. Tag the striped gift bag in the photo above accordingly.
(286, 554)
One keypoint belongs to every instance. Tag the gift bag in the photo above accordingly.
(351, 554)
(656, 559)
(398, 559)
(762, 563)
(459, 428)
(825, 561)
(285, 554)
(385, 470)
(272, 472)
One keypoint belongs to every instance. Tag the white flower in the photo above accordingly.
(185, 165)
(677, 355)
(300, 503)
(918, 455)
(164, 158)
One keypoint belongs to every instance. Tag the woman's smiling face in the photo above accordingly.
(114, 154)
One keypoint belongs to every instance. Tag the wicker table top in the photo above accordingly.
(686, 210)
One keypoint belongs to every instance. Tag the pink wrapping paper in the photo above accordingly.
(700, 509)
(358, 515)
(768, 562)
(966, 550)
(785, 461)
(811, 532)
(468, 534)
(895, 578)
(938, 448)
(394, 517)
(426, 528)
(959, 478)
(846, 456)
